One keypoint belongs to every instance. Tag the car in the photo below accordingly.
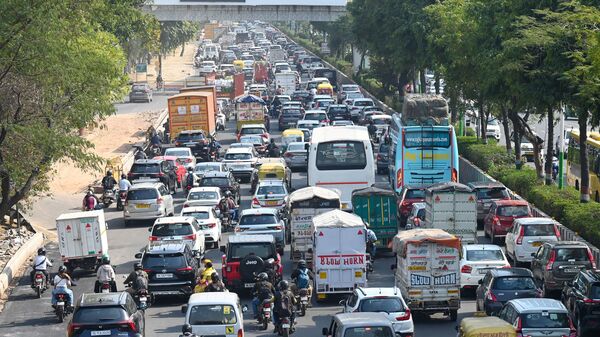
(476, 260)
(223, 180)
(342, 123)
(243, 145)
(409, 195)
(262, 221)
(558, 262)
(140, 92)
(259, 143)
(203, 196)
(316, 115)
(147, 170)
(361, 324)
(296, 156)
(527, 235)
(194, 139)
(183, 153)
(179, 167)
(172, 268)
(357, 105)
(387, 300)
(147, 201)
(350, 97)
(323, 103)
(493, 129)
(107, 314)
(344, 96)
(202, 168)
(382, 123)
(349, 88)
(246, 256)
(338, 112)
(289, 117)
(538, 317)
(307, 124)
(271, 194)
(383, 158)
(254, 129)
(486, 193)
(416, 217)
(241, 162)
(301, 96)
(582, 298)
(178, 228)
(500, 285)
(527, 153)
(208, 221)
(206, 313)
(208, 67)
(293, 104)
(364, 114)
(501, 216)
(307, 133)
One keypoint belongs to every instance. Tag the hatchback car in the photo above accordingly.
(501, 216)
(262, 221)
(499, 286)
(342, 123)
(351, 96)
(184, 154)
(202, 168)
(159, 170)
(194, 139)
(486, 193)
(180, 229)
(383, 158)
(386, 300)
(210, 314)
(241, 162)
(363, 324)
(477, 260)
(538, 317)
(140, 92)
(527, 235)
(582, 299)
(289, 117)
(254, 129)
(107, 314)
(259, 143)
(307, 125)
(223, 180)
(147, 201)
(203, 196)
(338, 112)
(208, 222)
(316, 115)
(270, 193)
(558, 262)
(296, 156)
(358, 104)
(407, 197)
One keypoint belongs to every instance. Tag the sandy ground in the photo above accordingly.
(175, 68)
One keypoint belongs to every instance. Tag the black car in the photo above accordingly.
(172, 268)
(107, 314)
(154, 169)
(338, 112)
(224, 180)
(195, 140)
(383, 158)
(289, 117)
(302, 96)
(582, 299)
(501, 285)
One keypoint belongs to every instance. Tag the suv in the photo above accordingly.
(147, 201)
(224, 180)
(527, 235)
(140, 92)
(289, 117)
(582, 299)
(254, 129)
(558, 262)
(500, 218)
(195, 140)
(364, 324)
(246, 256)
(154, 169)
(388, 300)
(107, 314)
(262, 221)
(178, 228)
(407, 197)
(504, 284)
(338, 112)
(538, 317)
(241, 162)
(316, 115)
(270, 193)
(172, 268)
(486, 193)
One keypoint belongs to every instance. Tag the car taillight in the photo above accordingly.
(266, 305)
(264, 135)
(591, 258)
(520, 237)
(589, 300)
(177, 143)
(491, 297)
(405, 316)
(147, 270)
(153, 238)
(240, 333)
(128, 325)
(496, 220)
(378, 156)
(188, 268)
(573, 331)
(551, 260)
(211, 225)
(255, 201)
(159, 200)
(72, 328)
(278, 227)
(466, 269)
(190, 237)
(399, 178)
(288, 155)
(39, 276)
(454, 175)
(519, 328)
(129, 175)
(188, 160)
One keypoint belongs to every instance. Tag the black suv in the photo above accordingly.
(107, 314)
(172, 268)
(338, 112)
(289, 117)
(154, 169)
(582, 299)
(501, 285)
(194, 139)
(487, 193)
(558, 262)
(224, 180)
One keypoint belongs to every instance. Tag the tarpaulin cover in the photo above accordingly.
(250, 99)
(337, 219)
(368, 191)
(310, 192)
(424, 107)
(423, 235)
(449, 187)
(486, 327)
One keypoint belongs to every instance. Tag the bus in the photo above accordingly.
(421, 155)
(573, 162)
(341, 159)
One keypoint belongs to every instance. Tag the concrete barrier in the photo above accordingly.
(129, 157)
(14, 266)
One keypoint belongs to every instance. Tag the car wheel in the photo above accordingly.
(453, 315)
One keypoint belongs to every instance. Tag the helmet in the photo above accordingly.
(62, 269)
(190, 169)
(123, 176)
(215, 277)
(42, 251)
(284, 285)
(227, 193)
(273, 140)
(263, 276)
(105, 259)
(302, 264)
(109, 173)
(137, 266)
(90, 192)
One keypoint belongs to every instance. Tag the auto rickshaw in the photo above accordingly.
(289, 136)
(325, 89)
(485, 327)
(271, 168)
(238, 65)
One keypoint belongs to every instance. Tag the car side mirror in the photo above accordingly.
(186, 328)
(480, 281)
(325, 331)
(342, 302)
(197, 254)
(244, 308)
(223, 249)
(149, 229)
(306, 146)
(138, 255)
(533, 254)
(393, 267)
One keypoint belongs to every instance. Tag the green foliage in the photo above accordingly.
(554, 201)
(484, 156)
(520, 181)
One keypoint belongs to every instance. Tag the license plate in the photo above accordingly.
(142, 206)
(169, 275)
(189, 144)
(536, 244)
(285, 326)
(358, 274)
(100, 333)
(248, 285)
(105, 291)
(571, 271)
(143, 299)
(60, 303)
(267, 309)
(39, 280)
(272, 203)
(483, 271)
(304, 298)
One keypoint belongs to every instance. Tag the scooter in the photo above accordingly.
(62, 310)
(121, 200)
(286, 326)
(265, 313)
(221, 122)
(39, 283)
(108, 197)
(302, 299)
(105, 287)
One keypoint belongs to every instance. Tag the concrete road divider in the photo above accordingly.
(14, 267)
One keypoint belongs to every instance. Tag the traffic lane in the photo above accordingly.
(158, 103)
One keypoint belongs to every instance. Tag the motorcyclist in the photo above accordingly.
(40, 263)
(205, 277)
(214, 146)
(138, 279)
(272, 149)
(279, 90)
(263, 290)
(372, 129)
(371, 239)
(285, 302)
(105, 273)
(302, 277)
(124, 184)
(232, 207)
(109, 182)
(216, 285)
(189, 179)
(62, 282)
(90, 201)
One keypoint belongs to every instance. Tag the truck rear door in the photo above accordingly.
(89, 232)
(433, 271)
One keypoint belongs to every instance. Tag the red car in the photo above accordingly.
(180, 170)
(407, 197)
(501, 215)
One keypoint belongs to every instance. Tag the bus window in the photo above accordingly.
(343, 155)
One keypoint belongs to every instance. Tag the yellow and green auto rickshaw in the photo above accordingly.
(290, 136)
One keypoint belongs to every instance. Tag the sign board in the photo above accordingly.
(141, 68)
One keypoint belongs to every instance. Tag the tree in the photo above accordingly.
(174, 34)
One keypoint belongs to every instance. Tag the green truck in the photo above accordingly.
(378, 208)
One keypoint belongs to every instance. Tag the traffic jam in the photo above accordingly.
(277, 187)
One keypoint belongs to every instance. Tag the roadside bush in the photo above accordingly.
(520, 181)
(470, 132)
(585, 220)
(553, 201)
(464, 142)
(486, 156)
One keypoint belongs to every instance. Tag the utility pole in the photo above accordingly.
(561, 146)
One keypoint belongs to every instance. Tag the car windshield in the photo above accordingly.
(363, 103)
(484, 255)
(314, 117)
(513, 210)
(212, 315)
(341, 155)
(207, 168)
(270, 189)
(371, 331)
(251, 140)
(492, 193)
(545, 320)
(152, 261)
(571, 254)
(350, 88)
(238, 156)
(539, 230)
(240, 250)
(91, 315)
(177, 153)
(145, 168)
(186, 137)
(139, 88)
(291, 113)
(354, 95)
(198, 215)
(384, 148)
(258, 219)
(214, 181)
(204, 195)
(296, 147)
(383, 304)
(308, 126)
(514, 283)
(381, 121)
(595, 291)
(415, 194)
(142, 194)
(252, 131)
(172, 229)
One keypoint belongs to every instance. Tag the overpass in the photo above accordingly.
(240, 10)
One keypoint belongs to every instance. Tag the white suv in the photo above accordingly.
(148, 201)
(527, 235)
(209, 222)
(387, 300)
(178, 228)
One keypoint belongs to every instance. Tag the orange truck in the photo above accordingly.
(192, 110)
(209, 30)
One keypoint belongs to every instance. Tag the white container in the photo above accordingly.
(82, 238)
(288, 82)
(452, 207)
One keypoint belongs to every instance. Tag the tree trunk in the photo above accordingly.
(506, 127)
(583, 158)
(453, 106)
(549, 146)
(514, 118)
(422, 79)
(182, 49)
(437, 83)
(160, 65)
(482, 121)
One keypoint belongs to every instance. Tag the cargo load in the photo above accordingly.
(423, 109)
(378, 208)
(452, 207)
(192, 110)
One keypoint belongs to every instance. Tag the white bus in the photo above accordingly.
(341, 159)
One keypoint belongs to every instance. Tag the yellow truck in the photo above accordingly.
(249, 110)
(192, 110)
(209, 30)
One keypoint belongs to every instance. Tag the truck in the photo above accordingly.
(261, 72)
(288, 82)
(242, 37)
(192, 110)
(277, 55)
(339, 253)
(249, 110)
(82, 239)
(427, 270)
(378, 208)
(200, 80)
(209, 31)
(452, 207)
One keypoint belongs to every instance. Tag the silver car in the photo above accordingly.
(262, 221)
(148, 201)
(270, 193)
(296, 156)
(140, 92)
(538, 317)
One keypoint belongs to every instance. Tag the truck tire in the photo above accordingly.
(453, 315)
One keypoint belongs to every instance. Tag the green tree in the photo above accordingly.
(174, 34)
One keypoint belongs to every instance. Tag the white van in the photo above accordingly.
(214, 314)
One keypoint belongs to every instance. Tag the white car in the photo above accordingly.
(387, 300)
(316, 115)
(208, 67)
(202, 168)
(270, 193)
(203, 196)
(183, 153)
(307, 124)
(342, 123)
(477, 260)
(241, 162)
(493, 129)
(209, 223)
(147, 201)
(178, 228)
(526, 237)
(358, 104)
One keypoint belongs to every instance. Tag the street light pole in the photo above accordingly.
(561, 145)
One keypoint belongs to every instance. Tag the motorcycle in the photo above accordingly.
(108, 197)
(39, 283)
(143, 298)
(369, 265)
(286, 326)
(221, 122)
(61, 309)
(105, 287)
(121, 200)
(302, 301)
(155, 150)
(264, 316)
